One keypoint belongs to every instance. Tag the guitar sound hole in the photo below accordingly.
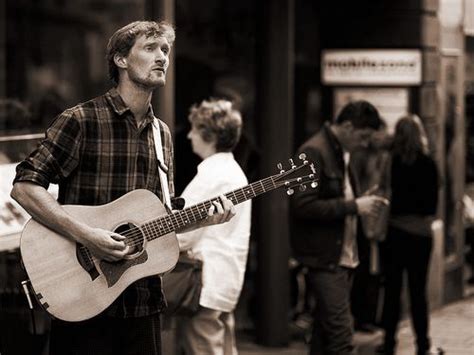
(135, 239)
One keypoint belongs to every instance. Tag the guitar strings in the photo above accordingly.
(266, 184)
(134, 235)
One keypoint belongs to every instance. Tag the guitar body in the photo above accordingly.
(71, 288)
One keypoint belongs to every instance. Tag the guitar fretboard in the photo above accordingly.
(198, 212)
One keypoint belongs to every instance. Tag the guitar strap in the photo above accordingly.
(162, 168)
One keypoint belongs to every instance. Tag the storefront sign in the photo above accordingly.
(401, 67)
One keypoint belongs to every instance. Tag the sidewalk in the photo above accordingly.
(452, 328)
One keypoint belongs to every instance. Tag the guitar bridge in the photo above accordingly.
(84, 259)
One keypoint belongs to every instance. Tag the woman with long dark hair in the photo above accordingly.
(414, 185)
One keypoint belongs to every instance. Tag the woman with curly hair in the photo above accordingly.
(215, 131)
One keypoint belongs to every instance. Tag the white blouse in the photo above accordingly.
(223, 247)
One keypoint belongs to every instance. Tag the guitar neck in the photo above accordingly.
(190, 215)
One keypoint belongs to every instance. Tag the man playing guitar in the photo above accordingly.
(97, 152)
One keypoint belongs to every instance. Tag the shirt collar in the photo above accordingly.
(116, 101)
(347, 157)
(333, 139)
(150, 116)
(120, 107)
(215, 159)
(335, 144)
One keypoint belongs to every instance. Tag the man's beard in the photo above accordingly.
(147, 83)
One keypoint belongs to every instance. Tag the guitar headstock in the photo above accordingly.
(296, 175)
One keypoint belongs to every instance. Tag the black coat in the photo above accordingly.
(319, 214)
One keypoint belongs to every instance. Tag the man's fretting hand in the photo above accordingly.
(220, 211)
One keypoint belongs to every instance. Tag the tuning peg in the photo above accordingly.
(302, 187)
(290, 191)
(302, 156)
(280, 167)
(293, 166)
(314, 184)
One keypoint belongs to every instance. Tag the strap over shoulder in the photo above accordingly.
(162, 168)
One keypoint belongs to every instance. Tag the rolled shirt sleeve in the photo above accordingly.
(56, 156)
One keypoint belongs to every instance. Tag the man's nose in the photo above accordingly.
(160, 58)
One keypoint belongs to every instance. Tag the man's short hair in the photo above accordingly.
(124, 38)
(216, 120)
(361, 114)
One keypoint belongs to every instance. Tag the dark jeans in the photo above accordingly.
(405, 252)
(104, 335)
(333, 325)
(364, 295)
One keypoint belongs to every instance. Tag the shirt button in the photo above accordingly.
(332, 266)
(339, 242)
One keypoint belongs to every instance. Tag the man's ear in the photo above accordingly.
(120, 61)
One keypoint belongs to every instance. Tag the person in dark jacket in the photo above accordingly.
(325, 234)
(414, 185)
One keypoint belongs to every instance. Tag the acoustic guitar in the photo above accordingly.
(73, 285)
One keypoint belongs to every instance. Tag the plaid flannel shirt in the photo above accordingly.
(96, 153)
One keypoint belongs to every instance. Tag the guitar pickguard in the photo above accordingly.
(113, 271)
